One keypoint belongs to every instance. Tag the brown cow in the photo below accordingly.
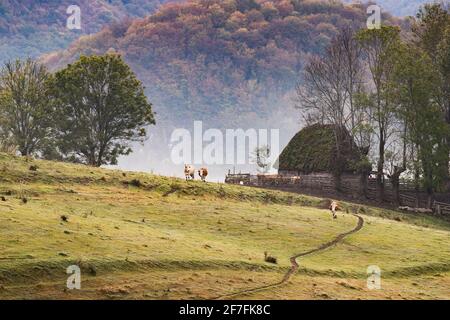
(203, 173)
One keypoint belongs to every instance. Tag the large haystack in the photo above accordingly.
(314, 150)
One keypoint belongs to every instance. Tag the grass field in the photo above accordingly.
(140, 236)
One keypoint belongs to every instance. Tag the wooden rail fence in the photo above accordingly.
(350, 185)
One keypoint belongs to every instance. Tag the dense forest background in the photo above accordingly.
(213, 60)
(30, 28)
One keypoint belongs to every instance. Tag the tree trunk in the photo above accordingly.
(91, 160)
(364, 185)
(339, 141)
(430, 197)
(447, 165)
(24, 150)
(396, 189)
(337, 182)
(99, 161)
(430, 191)
(380, 169)
(395, 181)
(447, 118)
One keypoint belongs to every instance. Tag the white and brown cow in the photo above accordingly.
(334, 206)
(203, 173)
(189, 172)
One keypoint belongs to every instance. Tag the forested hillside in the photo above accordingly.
(30, 28)
(211, 60)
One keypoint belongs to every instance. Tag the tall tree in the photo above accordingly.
(322, 96)
(354, 71)
(25, 113)
(331, 85)
(379, 46)
(101, 109)
(415, 78)
(432, 35)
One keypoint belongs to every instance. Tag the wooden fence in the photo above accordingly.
(350, 186)
(239, 178)
(441, 208)
(409, 201)
(277, 180)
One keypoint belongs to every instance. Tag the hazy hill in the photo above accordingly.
(209, 59)
(30, 28)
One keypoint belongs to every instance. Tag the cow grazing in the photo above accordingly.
(189, 172)
(203, 173)
(334, 206)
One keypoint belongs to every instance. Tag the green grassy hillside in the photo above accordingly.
(140, 236)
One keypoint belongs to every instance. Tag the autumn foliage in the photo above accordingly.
(215, 59)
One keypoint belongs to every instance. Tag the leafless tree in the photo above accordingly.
(329, 92)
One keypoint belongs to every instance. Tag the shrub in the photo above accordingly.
(270, 259)
(135, 183)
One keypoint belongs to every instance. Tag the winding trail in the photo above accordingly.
(294, 263)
